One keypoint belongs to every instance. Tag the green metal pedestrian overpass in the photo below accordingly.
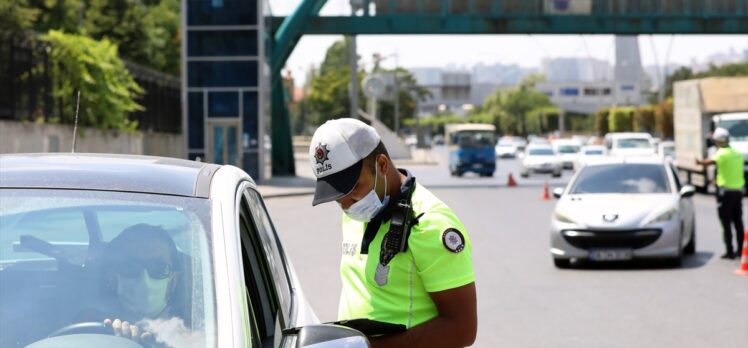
(622, 17)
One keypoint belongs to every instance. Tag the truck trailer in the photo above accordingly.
(700, 106)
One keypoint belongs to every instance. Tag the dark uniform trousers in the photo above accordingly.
(730, 209)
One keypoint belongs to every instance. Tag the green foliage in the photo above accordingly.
(621, 120)
(329, 97)
(16, 15)
(644, 119)
(92, 67)
(664, 118)
(146, 31)
(512, 110)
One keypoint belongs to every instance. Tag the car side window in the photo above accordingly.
(274, 251)
(261, 296)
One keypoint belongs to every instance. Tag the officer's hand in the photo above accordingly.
(124, 329)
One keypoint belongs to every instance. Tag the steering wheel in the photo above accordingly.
(89, 327)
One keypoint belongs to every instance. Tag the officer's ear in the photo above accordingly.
(382, 163)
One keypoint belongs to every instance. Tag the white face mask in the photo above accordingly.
(368, 207)
(143, 295)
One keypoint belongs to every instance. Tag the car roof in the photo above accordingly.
(629, 135)
(107, 172)
(539, 146)
(627, 160)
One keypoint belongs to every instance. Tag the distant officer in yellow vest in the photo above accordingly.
(730, 186)
(406, 256)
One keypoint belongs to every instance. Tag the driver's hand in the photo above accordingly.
(124, 329)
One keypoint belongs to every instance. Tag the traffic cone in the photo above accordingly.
(546, 194)
(511, 182)
(743, 270)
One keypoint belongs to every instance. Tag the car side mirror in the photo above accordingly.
(687, 191)
(558, 192)
(330, 336)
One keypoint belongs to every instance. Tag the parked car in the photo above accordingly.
(666, 150)
(589, 153)
(622, 209)
(568, 151)
(540, 159)
(207, 245)
(630, 144)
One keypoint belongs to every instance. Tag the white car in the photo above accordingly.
(540, 159)
(224, 276)
(567, 151)
(630, 144)
(666, 150)
(589, 153)
(506, 149)
(622, 209)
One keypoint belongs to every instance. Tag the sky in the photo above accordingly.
(411, 51)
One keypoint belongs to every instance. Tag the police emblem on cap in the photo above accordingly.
(453, 240)
(320, 153)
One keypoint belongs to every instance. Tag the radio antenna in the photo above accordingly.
(75, 127)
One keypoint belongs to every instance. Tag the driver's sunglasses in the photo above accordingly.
(156, 269)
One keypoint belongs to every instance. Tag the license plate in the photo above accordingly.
(610, 255)
(477, 165)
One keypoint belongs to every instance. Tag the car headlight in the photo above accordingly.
(560, 217)
(664, 217)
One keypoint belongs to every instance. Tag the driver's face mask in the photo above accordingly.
(143, 295)
(368, 207)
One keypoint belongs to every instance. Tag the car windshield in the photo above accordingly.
(475, 139)
(597, 152)
(71, 256)
(622, 178)
(634, 143)
(505, 145)
(567, 149)
(541, 152)
(738, 129)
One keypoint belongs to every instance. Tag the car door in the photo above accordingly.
(268, 290)
(685, 206)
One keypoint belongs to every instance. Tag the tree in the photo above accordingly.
(16, 15)
(146, 31)
(107, 91)
(329, 96)
(519, 102)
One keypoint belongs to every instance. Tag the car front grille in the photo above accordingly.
(629, 239)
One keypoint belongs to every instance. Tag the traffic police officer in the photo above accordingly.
(730, 186)
(406, 256)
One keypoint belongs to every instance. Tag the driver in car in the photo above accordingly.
(141, 274)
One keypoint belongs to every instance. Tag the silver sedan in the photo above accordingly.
(621, 209)
(134, 251)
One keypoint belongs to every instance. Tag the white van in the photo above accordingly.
(630, 144)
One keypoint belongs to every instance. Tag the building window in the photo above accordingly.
(223, 104)
(606, 91)
(222, 74)
(222, 43)
(627, 87)
(221, 12)
(570, 91)
(195, 120)
(251, 119)
(591, 91)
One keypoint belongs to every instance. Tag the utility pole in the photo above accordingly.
(353, 60)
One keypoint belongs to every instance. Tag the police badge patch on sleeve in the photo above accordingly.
(453, 240)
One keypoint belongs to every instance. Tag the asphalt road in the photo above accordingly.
(524, 301)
